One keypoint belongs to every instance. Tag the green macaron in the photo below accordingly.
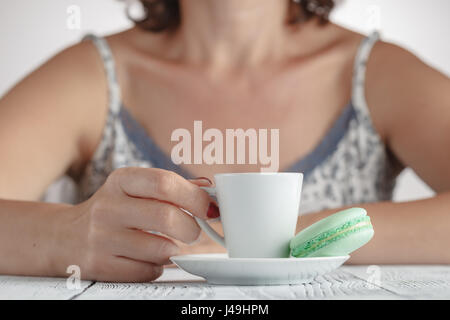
(336, 235)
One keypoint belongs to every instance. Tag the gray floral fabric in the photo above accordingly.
(353, 168)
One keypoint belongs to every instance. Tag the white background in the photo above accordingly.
(32, 31)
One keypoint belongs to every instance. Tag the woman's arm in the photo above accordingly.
(29, 244)
(51, 121)
(410, 232)
(103, 235)
(410, 107)
(44, 122)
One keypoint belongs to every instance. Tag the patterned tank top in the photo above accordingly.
(350, 164)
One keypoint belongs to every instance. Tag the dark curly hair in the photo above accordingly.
(161, 15)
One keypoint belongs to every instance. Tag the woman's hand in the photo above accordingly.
(106, 235)
(204, 243)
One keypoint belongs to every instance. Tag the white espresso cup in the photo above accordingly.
(258, 212)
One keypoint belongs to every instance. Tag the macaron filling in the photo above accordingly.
(331, 235)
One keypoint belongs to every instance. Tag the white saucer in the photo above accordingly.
(219, 269)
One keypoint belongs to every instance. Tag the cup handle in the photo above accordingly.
(205, 226)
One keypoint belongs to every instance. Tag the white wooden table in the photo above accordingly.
(348, 282)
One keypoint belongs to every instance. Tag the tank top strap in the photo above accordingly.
(359, 77)
(114, 95)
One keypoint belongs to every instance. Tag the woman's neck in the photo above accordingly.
(232, 33)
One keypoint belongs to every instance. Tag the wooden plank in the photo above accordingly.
(173, 284)
(30, 288)
(335, 285)
(177, 284)
(408, 281)
(348, 282)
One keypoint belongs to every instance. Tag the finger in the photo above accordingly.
(120, 269)
(143, 246)
(162, 185)
(213, 208)
(153, 215)
(201, 182)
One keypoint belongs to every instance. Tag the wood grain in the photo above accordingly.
(177, 284)
(32, 288)
(348, 282)
(411, 282)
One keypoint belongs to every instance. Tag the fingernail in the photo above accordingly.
(205, 179)
(213, 211)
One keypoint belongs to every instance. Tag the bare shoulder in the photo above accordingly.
(390, 62)
(64, 101)
(399, 84)
(85, 85)
(74, 75)
(79, 73)
(410, 105)
(76, 64)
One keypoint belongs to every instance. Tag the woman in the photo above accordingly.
(354, 110)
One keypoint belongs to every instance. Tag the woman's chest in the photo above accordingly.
(244, 125)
